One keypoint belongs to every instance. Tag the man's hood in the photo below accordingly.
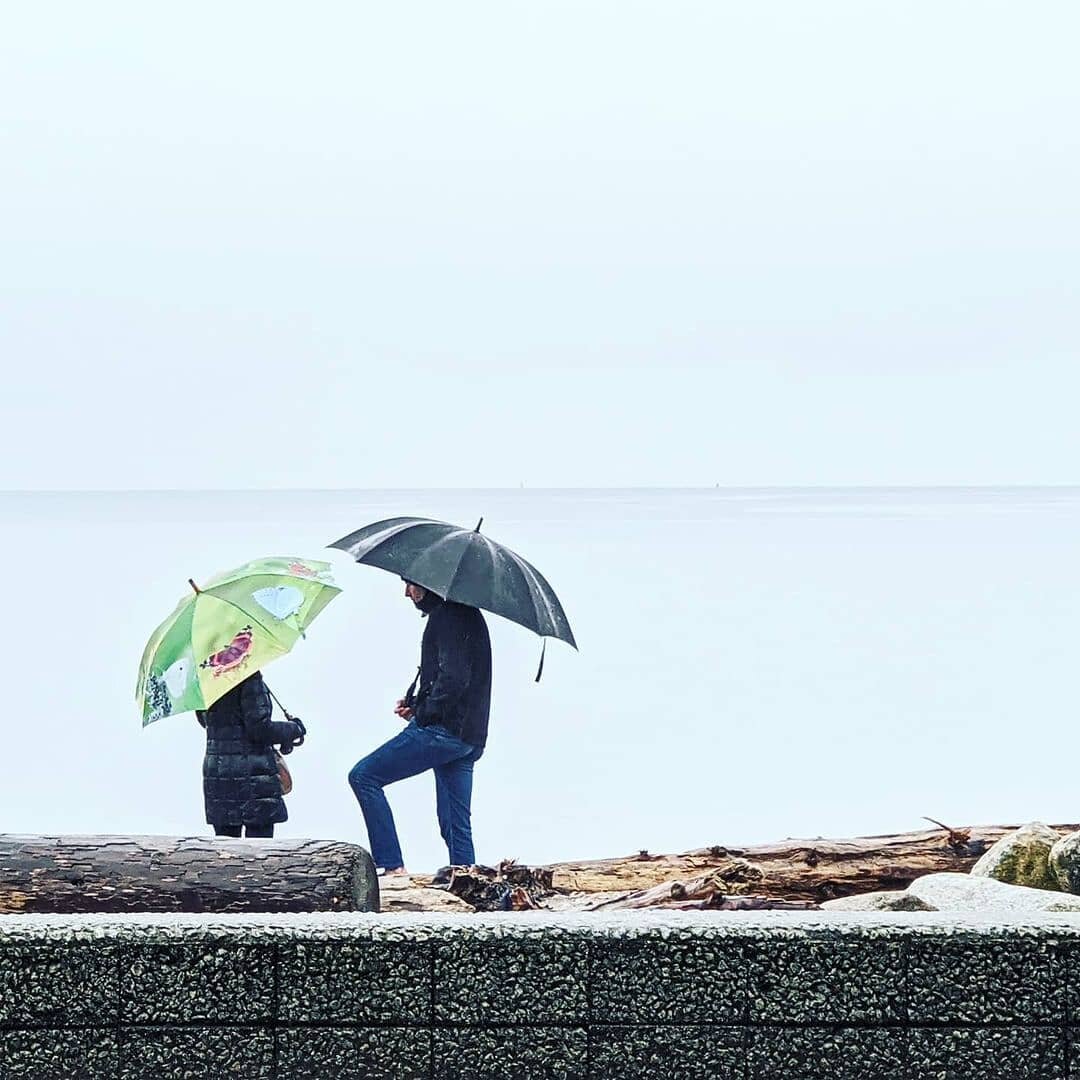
(430, 602)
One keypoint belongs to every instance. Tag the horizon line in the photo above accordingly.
(986, 486)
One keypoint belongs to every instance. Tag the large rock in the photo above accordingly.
(981, 895)
(1065, 862)
(1021, 858)
(878, 901)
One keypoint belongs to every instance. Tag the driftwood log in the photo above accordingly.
(63, 874)
(70, 874)
(705, 893)
(813, 870)
(507, 887)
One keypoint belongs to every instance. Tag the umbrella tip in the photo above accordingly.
(194, 586)
(478, 524)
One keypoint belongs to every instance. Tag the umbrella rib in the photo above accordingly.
(510, 566)
(461, 560)
(155, 641)
(246, 614)
(387, 534)
(442, 541)
(530, 573)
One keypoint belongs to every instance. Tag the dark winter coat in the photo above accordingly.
(240, 775)
(454, 687)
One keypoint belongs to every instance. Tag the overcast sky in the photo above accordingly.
(581, 243)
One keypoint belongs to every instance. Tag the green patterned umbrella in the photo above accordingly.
(231, 626)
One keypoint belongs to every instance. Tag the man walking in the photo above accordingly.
(446, 731)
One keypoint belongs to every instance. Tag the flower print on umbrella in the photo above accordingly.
(158, 702)
(318, 572)
(234, 656)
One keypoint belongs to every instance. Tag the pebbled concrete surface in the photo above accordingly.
(730, 995)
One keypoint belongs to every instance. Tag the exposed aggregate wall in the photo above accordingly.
(730, 996)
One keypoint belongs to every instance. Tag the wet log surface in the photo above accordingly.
(811, 870)
(71, 874)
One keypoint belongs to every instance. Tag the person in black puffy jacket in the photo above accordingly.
(240, 774)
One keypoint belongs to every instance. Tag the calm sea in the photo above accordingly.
(754, 664)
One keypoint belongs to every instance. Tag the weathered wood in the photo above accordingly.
(814, 870)
(507, 887)
(415, 894)
(696, 889)
(130, 873)
(739, 903)
(705, 893)
(70, 874)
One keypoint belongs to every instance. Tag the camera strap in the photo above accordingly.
(273, 697)
(410, 694)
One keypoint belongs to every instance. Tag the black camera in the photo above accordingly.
(289, 747)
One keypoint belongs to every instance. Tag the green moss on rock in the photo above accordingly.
(1065, 862)
(1021, 858)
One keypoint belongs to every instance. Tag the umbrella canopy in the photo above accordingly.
(464, 566)
(232, 625)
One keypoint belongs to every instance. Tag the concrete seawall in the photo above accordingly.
(730, 996)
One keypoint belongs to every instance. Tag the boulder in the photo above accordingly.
(981, 895)
(1021, 858)
(1065, 862)
(878, 901)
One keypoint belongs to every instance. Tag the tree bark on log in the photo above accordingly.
(814, 870)
(114, 874)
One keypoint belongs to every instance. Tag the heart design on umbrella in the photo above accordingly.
(280, 600)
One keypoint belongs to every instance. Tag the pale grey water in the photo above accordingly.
(754, 663)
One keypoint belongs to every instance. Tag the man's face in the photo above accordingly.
(415, 593)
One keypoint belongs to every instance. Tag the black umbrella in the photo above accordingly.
(464, 566)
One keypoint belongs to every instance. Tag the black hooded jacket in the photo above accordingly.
(240, 776)
(454, 686)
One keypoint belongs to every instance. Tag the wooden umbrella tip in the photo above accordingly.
(194, 586)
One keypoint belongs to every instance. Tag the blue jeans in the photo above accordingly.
(414, 751)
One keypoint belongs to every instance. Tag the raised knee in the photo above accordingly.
(360, 779)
